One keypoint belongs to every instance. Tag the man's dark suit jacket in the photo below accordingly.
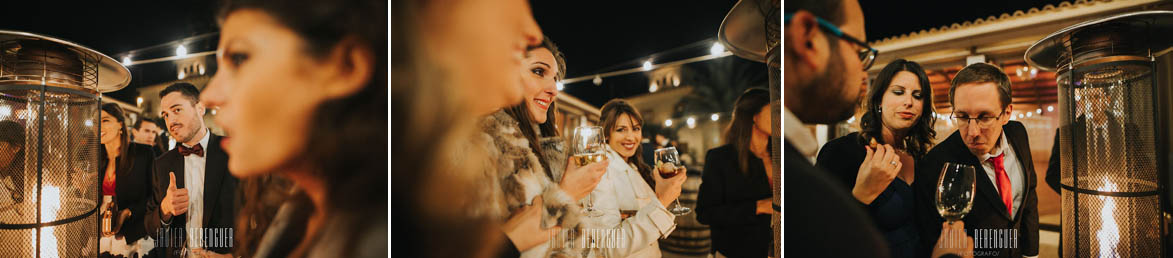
(220, 207)
(821, 219)
(988, 211)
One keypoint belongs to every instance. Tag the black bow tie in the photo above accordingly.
(197, 150)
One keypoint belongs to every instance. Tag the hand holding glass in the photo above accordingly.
(586, 147)
(668, 165)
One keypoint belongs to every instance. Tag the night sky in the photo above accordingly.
(596, 36)
(114, 27)
(884, 18)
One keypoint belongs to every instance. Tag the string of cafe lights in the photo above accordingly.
(716, 50)
(181, 51)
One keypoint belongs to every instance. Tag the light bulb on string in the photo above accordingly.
(647, 65)
(714, 117)
(598, 80)
(181, 51)
(667, 122)
(559, 85)
(717, 48)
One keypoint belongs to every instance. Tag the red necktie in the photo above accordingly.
(1003, 183)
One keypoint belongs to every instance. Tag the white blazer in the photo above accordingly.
(623, 188)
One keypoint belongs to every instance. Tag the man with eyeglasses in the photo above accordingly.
(1004, 217)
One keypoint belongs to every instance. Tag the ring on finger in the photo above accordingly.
(894, 163)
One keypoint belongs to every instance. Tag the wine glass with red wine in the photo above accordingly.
(668, 165)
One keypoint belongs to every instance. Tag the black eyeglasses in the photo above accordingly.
(867, 54)
(982, 121)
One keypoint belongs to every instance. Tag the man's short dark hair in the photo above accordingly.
(982, 73)
(186, 89)
(830, 10)
(139, 124)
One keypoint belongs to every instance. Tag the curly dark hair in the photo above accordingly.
(920, 136)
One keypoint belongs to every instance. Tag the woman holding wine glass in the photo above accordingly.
(529, 159)
(877, 163)
(634, 201)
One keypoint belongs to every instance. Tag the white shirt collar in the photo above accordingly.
(999, 148)
(203, 141)
(798, 135)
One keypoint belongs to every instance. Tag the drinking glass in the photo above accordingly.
(668, 165)
(587, 146)
(955, 191)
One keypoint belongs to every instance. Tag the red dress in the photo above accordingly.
(108, 186)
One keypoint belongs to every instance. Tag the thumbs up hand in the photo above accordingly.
(175, 203)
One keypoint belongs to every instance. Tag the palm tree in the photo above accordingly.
(717, 83)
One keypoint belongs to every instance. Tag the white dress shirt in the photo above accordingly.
(193, 181)
(1013, 170)
(799, 136)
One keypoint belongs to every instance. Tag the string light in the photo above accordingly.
(1039, 110)
(714, 117)
(647, 65)
(1050, 108)
(653, 87)
(559, 84)
(126, 60)
(717, 49)
(691, 122)
(140, 101)
(181, 51)
(667, 122)
(598, 80)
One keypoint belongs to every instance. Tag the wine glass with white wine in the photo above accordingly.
(587, 146)
(955, 191)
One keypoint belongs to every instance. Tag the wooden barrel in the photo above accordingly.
(690, 237)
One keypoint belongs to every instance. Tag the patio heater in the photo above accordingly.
(49, 105)
(1114, 134)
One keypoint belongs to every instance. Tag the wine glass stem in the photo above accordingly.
(677, 201)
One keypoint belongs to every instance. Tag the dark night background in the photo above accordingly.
(601, 36)
(596, 36)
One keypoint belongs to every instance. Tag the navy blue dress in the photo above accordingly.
(892, 210)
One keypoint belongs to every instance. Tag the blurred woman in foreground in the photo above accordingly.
(301, 85)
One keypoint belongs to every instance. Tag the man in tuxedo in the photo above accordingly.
(1004, 217)
(193, 207)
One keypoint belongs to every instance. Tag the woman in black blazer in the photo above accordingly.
(126, 178)
(877, 164)
(734, 195)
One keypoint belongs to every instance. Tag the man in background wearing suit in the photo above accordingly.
(1004, 218)
(193, 208)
